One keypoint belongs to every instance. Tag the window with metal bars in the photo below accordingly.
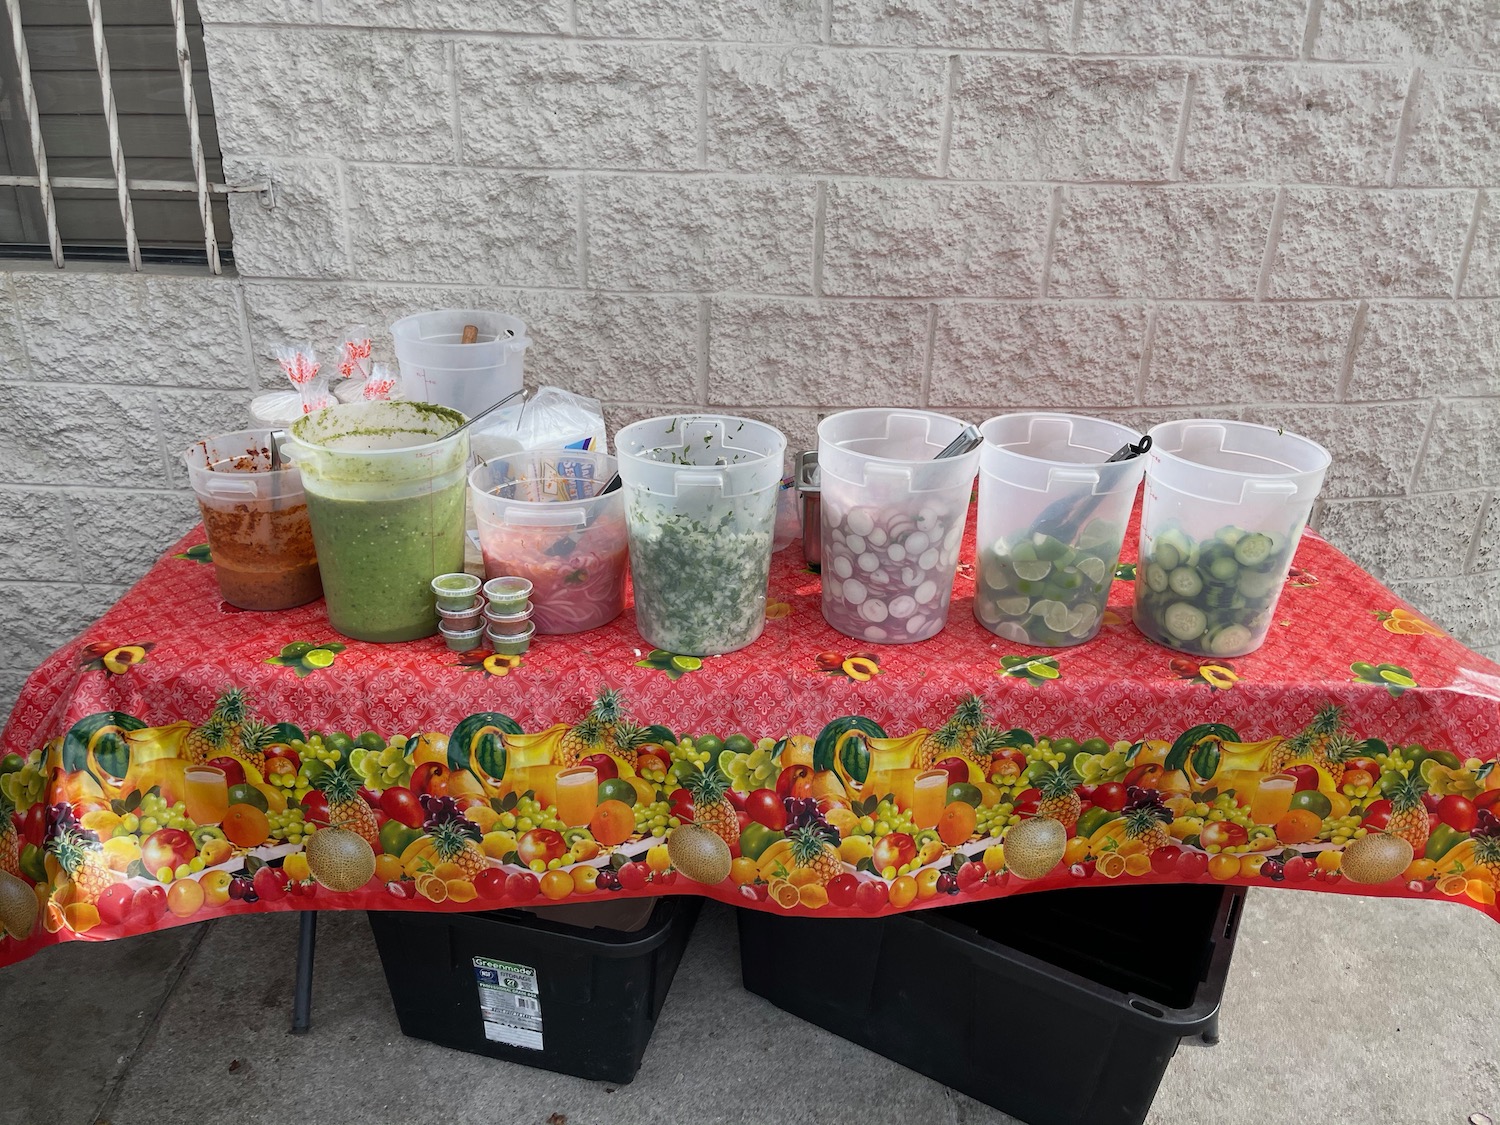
(108, 150)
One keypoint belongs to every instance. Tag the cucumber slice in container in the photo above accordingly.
(1256, 584)
(1167, 556)
(1185, 582)
(1184, 621)
(1158, 578)
(1229, 640)
(1224, 570)
(1254, 549)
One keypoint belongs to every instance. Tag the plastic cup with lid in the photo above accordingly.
(1051, 520)
(893, 521)
(1224, 508)
(543, 516)
(700, 507)
(385, 494)
(255, 515)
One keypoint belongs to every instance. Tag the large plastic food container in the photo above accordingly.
(436, 366)
(541, 517)
(533, 989)
(1225, 506)
(1060, 1007)
(385, 495)
(256, 520)
(700, 505)
(893, 520)
(1051, 520)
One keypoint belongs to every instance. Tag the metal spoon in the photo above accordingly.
(491, 409)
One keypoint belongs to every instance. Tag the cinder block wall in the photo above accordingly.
(1280, 210)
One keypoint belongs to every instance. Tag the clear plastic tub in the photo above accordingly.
(1225, 506)
(893, 520)
(700, 505)
(541, 518)
(1051, 521)
(385, 494)
(256, 520)
(436, 366)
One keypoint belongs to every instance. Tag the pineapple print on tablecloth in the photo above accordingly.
(711, 809)
(1146, 819)
(10, 841)
(454, 836)
(814, 843)
(346, 808)
(78, 853)
(1487, 843)
(1408, 817)
(1060, 799)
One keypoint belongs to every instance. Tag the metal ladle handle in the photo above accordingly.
(489, 410)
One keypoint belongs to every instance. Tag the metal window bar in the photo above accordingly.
(120, 181)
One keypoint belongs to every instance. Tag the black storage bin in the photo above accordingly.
(1084, 994)
(532, 990)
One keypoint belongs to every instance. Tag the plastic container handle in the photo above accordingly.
(1271, 488)
(1072, 476)
(230, 488)
(698, 480)
(562, 517)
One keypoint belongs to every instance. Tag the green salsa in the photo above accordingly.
(378, 559)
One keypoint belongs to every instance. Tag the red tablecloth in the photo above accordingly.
(117, 715)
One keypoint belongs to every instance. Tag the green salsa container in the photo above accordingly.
(385, 488)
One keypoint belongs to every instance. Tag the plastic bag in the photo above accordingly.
(551, 418)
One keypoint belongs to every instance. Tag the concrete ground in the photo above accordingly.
(1338, 1010)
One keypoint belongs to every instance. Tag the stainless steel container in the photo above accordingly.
(809, 491)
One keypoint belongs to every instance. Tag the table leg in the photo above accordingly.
(1210, 1034)
(307, 939)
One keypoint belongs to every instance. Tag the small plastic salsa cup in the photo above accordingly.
(454, 591)
(508, 593)
(461, 640)
(465, 617)
(515, 645)
(508, 624)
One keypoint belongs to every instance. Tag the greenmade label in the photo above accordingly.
(509, 1003)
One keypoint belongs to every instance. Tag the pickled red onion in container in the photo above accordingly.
(542, 517)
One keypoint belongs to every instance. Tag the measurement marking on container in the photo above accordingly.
(509, 1003)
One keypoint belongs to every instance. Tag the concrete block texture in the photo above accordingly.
(1487, 545)
(464, 225)
(538, 16)
(918, 239)
(36, 534)
(1420, 350)
(120, 328)
(1253, 28)
(701, 234)
(1399, 539)
(121, 534)
(1019, 25)
(1374, 448)
(1301, 124)
(571, 105)
(793, 353)
(353, 95)
(805, 109)
(1248, 353)
(1448, 32)
(1463, 446)
(304, 234)
(1483, 276)
(1183, 242)
(1455, 120)
(998, 357)
(1049, 118)
(1370, 244)
(752, 21)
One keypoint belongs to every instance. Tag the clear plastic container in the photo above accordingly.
(541, 518)
(1051, 521)
(1225, 506)
(893, 520)
(385, 494)
(700, 505)
(256, 519)
(436, 366)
